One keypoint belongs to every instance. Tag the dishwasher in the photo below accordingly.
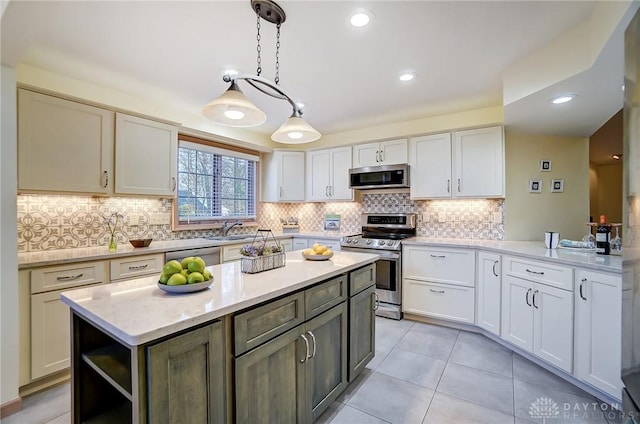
(210, 255)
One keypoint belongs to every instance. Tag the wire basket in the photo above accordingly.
(255, 264)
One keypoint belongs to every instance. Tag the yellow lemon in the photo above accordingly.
(308, 252)
(328, 252)
(315, 245)
(320, 250)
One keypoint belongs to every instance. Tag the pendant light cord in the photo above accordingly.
(258, 48)
(277, 79)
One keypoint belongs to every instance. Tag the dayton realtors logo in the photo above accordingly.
(544, 408)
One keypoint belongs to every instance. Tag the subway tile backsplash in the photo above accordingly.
(59, 222)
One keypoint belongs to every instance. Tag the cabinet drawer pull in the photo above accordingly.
(381, 156)
(313, 339)
(306, 345)
(136, 267)
(584, 280)
(438, 256)
(378, 156)
(436, 291)
(526, 297)
(494, 268)
(173, 184)
(69, 277)
(534, 272)
(281, 192)
(376, 301)
(458, 185)
(448, 186)
(534, 299)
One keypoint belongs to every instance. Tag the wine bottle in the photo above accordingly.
(603, 236)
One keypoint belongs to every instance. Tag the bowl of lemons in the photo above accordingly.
(187, 276)
(317, 252)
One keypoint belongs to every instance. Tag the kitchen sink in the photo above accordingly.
(233, 237)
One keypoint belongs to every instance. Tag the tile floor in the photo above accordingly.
(422, 374)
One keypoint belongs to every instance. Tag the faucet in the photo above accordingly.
(226, 227)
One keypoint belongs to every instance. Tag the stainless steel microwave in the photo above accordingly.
(382, 176)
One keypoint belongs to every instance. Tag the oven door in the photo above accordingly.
(388, 277)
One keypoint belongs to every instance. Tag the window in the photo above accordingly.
(214, 184)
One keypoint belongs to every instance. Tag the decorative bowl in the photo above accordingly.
(140, 242)
(186, 288)
(317, 257)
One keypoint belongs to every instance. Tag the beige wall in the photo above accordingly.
(8, 242)
(528, 215)
(606, 192)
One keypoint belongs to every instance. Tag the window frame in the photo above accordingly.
(213, 223)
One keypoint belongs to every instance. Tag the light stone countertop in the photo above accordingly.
(137, 311)
(530, 249)
(63, 256)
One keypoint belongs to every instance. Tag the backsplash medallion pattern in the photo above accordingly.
(61, 222)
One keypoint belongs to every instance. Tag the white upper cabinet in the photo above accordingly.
(283, 176)
(460, 164)
(390, 152)
(63, 146)
(146, 157)
(328, 174)
(479, 162)
(430, 166)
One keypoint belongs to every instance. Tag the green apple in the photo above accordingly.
(164, 278)
(185, 262)
(196, 265)
(207, 275)
(195, 277)
(177, 280)
(172, 267)
(185, 272)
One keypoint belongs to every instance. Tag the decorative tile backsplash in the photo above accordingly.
(60, 222)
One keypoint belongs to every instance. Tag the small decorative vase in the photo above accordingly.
(113, 245)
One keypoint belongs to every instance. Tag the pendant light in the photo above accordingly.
(234, 109)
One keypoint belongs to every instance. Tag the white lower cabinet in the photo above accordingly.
(539, 319)
(598, 302)
(299, 244)
(488, 292)
(49, 341)
(439, 282)
(445, 301)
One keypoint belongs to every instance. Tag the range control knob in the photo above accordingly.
(355, 241)
(368, 241)
(390, 243)
(348, 240)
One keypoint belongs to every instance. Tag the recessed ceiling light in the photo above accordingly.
(361, 18)
(617, 157)
(562, 99)
(407, 76)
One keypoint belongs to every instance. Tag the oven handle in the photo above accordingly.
(382, 253)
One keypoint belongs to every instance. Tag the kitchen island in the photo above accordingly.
(278, 346)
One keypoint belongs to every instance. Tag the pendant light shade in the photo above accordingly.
(295, 131)
(234, 109)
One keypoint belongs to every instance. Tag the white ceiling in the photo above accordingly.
(176, 50)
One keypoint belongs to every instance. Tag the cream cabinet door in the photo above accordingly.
(517, 312)
(478, 163)
(50, 334)
(146, 157)
(283, 176)
(553, 325)
(340, 161)
(489, 292)
(63, 146)
(366, 155)
(393, 152)
(598, 300)
(319, 175)
(430, 166)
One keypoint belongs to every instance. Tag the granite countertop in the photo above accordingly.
(532, 250)
(137, 311)
(62, 256)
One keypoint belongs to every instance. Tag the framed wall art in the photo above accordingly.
(557, 186)
(535, 186)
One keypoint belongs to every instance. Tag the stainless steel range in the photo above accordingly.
(382, 233)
